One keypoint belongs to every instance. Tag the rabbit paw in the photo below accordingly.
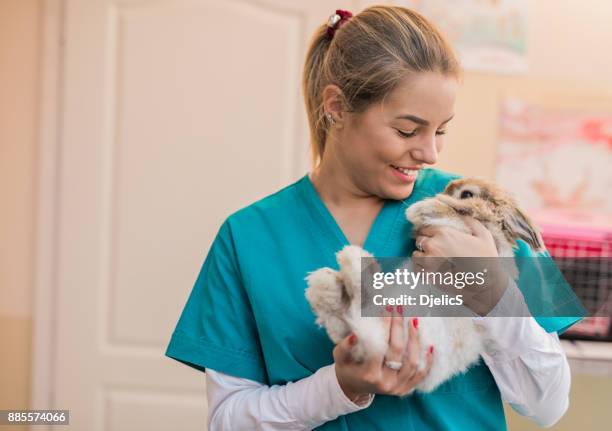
(327, 298)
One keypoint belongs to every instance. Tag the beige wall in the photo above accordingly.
(567, 46)
(19, 59)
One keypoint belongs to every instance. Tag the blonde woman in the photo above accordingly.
(379, 91)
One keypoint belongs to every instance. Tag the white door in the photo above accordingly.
(172, 114)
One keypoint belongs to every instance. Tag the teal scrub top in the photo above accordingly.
(247, 314)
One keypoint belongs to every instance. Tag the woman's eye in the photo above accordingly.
(406, 134)
(411, 134)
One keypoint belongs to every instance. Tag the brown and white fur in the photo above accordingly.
(335, 295)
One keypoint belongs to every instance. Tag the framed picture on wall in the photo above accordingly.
(557, 160)
(489, 36)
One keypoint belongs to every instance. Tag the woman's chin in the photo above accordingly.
(399, 192)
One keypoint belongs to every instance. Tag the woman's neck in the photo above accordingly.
(353, 209)
(336, 188)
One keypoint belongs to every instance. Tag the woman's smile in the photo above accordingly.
(405, 174)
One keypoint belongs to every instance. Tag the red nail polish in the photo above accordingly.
(415, 323)
(352, 339)
(431, 349)
(389, 308)
(400, 309)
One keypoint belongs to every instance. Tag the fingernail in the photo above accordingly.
(400, 309)
(431, 349)
(415, 323)
(389, 308)
(352, 339)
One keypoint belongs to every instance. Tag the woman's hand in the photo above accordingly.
(372, 376)
(448, 242)
(445, 241)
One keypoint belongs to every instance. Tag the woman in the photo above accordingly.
(380, 90)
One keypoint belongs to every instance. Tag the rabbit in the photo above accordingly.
(335, 295)
(487, 203)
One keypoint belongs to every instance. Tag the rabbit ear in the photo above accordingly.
(520, 226)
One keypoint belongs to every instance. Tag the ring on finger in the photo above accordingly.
(419, 244)
(394, 365)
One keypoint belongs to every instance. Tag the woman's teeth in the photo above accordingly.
(406, 171)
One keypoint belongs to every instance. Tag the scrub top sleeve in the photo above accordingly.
(546, 291)
(217, 328)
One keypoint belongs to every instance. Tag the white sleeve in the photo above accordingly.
(241, 404)
(528, 364)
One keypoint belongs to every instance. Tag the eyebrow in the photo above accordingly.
(419, 120)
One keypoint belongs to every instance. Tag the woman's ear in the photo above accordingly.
(334, 103)
(520, 226)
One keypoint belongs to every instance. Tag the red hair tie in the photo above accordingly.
(335, 20)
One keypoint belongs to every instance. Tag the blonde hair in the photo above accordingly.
(367, 58)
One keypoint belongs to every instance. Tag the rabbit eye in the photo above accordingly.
(466, 194)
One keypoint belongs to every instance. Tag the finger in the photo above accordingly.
(421, 374)
(477, 228)
(425, 261)
(428, 230)
(396, 340)
(344, 348)
(387, 319)
(410, 355)
(418, 260)
(420, 242)
(429, 244)
(413, 348)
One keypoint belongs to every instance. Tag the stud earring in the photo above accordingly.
(330, 118)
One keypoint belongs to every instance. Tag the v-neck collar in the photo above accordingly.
(385, 223)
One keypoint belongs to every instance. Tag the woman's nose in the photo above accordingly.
(426, 151)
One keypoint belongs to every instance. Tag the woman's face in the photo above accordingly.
(383, 148)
